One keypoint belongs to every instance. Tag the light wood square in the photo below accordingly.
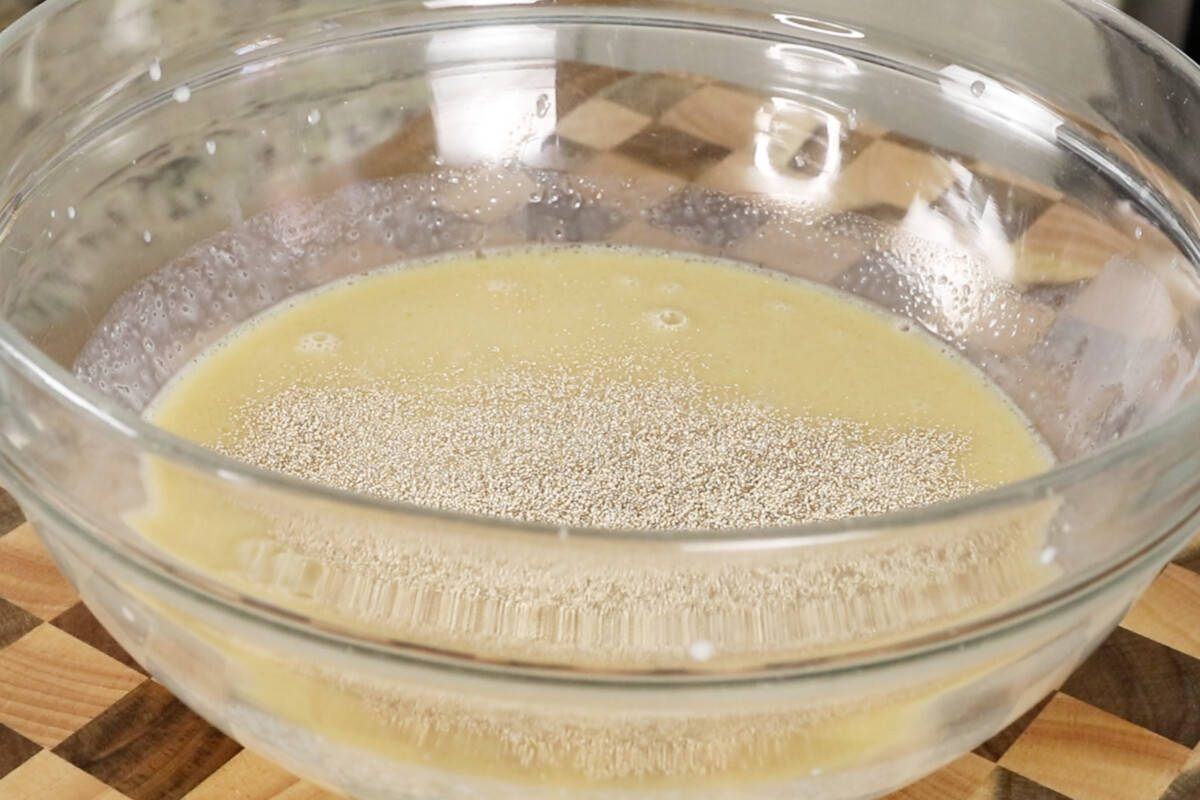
(1089, 754)
(249, 776)
(1169, 611)
(958, 780)
(1067, 244)
(601, 123)
(52, 684)
(48, 777)
(888, 173)
(721, 115)
(29, 578)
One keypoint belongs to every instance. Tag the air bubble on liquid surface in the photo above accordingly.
(978, 88)
(628, 281)
(182, 94)
(669, 288)
(317, 342)
(501, 286)
(667, 319)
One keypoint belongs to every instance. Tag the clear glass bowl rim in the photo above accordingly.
(21, 356)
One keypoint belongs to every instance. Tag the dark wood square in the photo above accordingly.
(564, 214)
(15, 750)
(10, 513)
(810, 159)
(1184, 787)
(149, 746)
(652, 93)
(576, 82)
(15, 622)
(80, 623)
(707, 216)
(1144, 682)
(671, 150)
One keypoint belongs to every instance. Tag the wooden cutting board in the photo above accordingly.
(79, 720)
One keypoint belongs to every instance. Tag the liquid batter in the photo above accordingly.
(604, 388)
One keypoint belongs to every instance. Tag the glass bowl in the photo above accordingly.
(1019, 185)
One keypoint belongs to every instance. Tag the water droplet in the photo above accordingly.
(978, 88)
(53, 213)
(70, 212)
(182, 94)
(210, 146)
(1048, 554)
(701, 650)
(314, 116)
(543, 105)
(155, 71)
(1138, 233)
(852, 119)
(147, 237)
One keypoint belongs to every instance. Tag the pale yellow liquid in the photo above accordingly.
(799, 348)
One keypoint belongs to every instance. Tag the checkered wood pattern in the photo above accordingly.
(80, 719)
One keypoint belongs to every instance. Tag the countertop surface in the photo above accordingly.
(80, 720)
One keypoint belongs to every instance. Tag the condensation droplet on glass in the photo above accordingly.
(1138, 233)
(147, 237)
(543, 105)
(210, 147)
(155, 71)
(978, 88)
(701, 650)
(70, 212)
(53, 214)
(314, 116)
(1048, 554)
(182, 94)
